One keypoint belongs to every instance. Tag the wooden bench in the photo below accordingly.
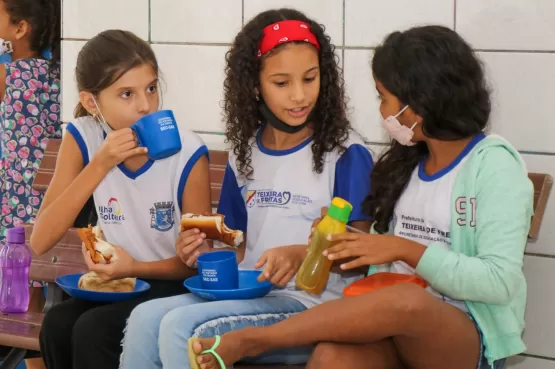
(218, 162)
(21, 331)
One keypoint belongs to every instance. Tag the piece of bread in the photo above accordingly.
(101, 251)
(91, 281)
(213, 226)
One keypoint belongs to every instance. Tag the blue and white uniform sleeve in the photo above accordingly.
(352, 179)
(74, 131)
(200, 152)
(232, 205)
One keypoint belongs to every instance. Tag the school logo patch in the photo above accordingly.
(162, 216)
(250, 198)
(112, 213)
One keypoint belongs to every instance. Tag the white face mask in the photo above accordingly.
(397, 131)
(6, 51)
(105, 126)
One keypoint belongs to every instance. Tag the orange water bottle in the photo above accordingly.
(315, 270)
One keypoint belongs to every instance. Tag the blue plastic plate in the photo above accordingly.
(69, 282)
(249, 288)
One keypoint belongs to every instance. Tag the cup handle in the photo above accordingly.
(137, 136)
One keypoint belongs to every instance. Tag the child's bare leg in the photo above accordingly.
(426, 331)
(378, 355)
(35, 363)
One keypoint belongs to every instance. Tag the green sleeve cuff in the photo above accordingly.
(430, 263)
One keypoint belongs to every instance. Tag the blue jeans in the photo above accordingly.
(157, 331)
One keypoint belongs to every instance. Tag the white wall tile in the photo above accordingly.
(215, 21)
(215, 141)
(194, 84)
(327, 12)
(85, 19)
(70, 96)
(522, 362)
(368, 22)
(507, 24)
(539, 333)
(545, 244)
(523, 95)
(364, 105)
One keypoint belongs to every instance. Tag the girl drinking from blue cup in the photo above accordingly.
(293, 150)
(139, 200)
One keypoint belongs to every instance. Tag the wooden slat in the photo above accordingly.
(542, 189)
(65, 258)
(218, 163)
(47, 165)
(19, 332)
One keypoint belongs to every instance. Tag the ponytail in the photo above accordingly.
(80, 111)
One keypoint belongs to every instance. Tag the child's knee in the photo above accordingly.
(325, 355)
(146, 318)
(175, 323)
(56, 324)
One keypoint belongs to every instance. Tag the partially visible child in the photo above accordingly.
(117, 75)
(30, 108)
(293, 150)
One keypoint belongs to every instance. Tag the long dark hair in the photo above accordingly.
(434, 71)
(242, 117)
(106, 57)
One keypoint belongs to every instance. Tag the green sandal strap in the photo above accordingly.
(212, 351)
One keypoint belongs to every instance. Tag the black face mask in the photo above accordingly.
(279, 124)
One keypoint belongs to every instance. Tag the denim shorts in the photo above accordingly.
(483, 362)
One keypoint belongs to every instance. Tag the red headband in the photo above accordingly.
(286, 31)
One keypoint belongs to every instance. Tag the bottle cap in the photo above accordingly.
(340, 209)
(16, 235)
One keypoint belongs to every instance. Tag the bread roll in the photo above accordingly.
(101, 251)
(213, 226)
(91, 281)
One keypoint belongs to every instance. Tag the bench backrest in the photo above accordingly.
(66, 257)
(542, 189)
(218, 162)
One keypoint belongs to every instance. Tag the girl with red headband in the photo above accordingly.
(293, 150)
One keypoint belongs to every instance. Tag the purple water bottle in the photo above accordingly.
(15, 260)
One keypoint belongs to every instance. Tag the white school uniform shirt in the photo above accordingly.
(140, 211)
(423, 212)
(277, 205)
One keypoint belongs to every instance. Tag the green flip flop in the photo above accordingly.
(212, 350)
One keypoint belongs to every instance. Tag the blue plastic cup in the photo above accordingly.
(218, 270)
(158, 132)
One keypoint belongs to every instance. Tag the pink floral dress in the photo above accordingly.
(29, 116)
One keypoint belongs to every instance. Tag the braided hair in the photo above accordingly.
(44, 18)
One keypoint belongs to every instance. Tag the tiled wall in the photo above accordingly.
(515, 38)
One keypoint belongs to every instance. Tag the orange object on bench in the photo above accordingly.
(380, 280)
